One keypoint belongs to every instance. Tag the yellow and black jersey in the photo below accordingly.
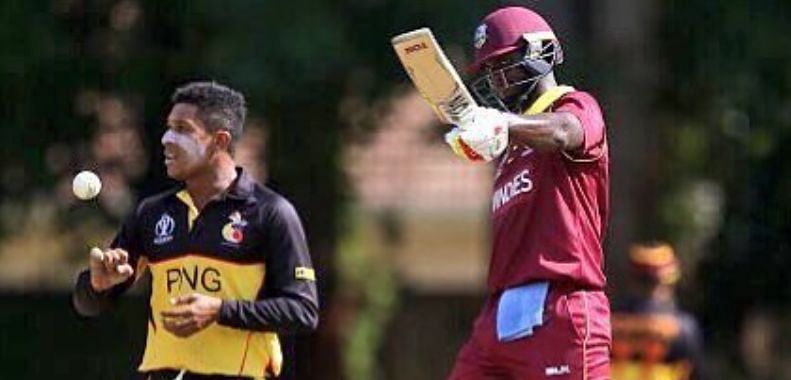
(246, 247)
(655, 341)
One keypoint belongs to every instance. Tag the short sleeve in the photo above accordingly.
(588, 112)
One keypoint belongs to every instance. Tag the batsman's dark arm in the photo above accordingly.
(545, 132)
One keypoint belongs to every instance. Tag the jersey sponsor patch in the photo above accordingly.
(305, 273)
(233, 231)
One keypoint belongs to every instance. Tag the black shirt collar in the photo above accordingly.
(242, 187)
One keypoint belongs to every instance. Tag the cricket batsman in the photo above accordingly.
(229, 263)
(546, 315)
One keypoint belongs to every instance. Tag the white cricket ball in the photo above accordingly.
(86, 185)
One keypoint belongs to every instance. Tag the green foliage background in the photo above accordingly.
(312, 68)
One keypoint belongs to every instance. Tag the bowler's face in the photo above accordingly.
(185, 142)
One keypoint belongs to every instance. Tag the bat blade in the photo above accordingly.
(433, 75)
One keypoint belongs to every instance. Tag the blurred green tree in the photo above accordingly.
(727, 91)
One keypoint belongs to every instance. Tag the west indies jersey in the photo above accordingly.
(248, 248)
(549, 210)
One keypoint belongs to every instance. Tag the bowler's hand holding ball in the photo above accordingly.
(109, 268)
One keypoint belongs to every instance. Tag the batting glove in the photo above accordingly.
(483, 136)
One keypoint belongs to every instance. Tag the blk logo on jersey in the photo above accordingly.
(557, 370)
(519, 184)
(233, 231)
(163, 230)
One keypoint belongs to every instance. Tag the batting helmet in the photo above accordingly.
(507, 85)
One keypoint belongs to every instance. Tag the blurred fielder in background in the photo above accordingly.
(546, 315)
(229, 263)
(652, 338)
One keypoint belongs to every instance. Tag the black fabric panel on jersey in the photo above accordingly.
(286, 301)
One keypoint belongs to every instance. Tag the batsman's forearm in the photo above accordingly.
(281, 314)
(547, 131)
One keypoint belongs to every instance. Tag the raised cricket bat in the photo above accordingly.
(434, 75)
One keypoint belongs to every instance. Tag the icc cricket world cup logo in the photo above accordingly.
(233, 230)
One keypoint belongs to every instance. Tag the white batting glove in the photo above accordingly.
(483, 136)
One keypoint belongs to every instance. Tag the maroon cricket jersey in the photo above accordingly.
(549, 210)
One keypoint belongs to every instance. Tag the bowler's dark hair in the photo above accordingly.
(220, 107)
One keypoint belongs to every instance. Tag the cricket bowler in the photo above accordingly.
(229, 263)
(546, 315)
